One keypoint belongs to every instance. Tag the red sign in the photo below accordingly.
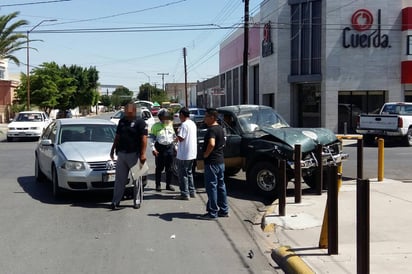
(362, 20)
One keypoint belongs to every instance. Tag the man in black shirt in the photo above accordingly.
(130, 146)
(214, 143)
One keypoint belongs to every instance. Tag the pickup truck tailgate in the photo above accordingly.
(380, 122)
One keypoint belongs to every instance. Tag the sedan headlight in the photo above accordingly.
(75, 166)
(34, 128)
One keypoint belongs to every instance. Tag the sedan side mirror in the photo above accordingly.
(46, 142)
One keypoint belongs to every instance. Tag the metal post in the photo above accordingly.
(359, 172)
(245, 98)
(319, 170)
(28, 59)
(298, 174)
(363, 226)
(282, 188)
(333, 210)
(381, 161)
(28, 72)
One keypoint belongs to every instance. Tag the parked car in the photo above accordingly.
(144, 103)
(75, 155)
(257, 138)
(64, 114)
(197, 115)
(393, 122)
(27, 124)
(154, 110)
(143, 112)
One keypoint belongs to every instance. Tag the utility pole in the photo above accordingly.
(163, 78)
(28, 58)
(245, 53)
(184, 57)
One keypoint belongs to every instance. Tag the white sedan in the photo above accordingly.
(143, 112)
(27, 124)
(75, 155)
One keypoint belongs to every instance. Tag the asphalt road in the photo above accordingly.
(397, 162)
(80, 234)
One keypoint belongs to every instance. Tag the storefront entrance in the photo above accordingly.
(353, 103)
(308, 105)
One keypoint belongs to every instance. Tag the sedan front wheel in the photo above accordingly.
(55, 181)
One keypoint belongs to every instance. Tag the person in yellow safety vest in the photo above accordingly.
(163, 137)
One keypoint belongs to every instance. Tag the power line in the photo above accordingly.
(124, 13)
(34, 3)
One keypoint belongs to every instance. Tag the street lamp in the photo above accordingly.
(148, 78)
(28, 58)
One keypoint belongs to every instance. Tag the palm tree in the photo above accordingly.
(10, 40)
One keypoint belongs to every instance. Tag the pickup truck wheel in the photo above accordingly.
(264, 178)
(408, 138)
(311, 181)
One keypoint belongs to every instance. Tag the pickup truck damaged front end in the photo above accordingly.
(285, 140)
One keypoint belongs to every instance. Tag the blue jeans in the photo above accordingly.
(185, 174)
(216, 189)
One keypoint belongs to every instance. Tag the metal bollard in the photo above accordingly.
(298, 174)
(362, 226)
(282, 188)
(381, 161)
(359, 171)
(319, 170)
(332, 203)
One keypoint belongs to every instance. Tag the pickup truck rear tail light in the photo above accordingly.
(400, 122)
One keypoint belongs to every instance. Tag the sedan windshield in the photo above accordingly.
(87, 133)
(259, 118)
(29, 117)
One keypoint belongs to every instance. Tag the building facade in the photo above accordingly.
(316, 55)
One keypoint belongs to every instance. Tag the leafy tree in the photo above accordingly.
(10, 40)
(52, 86)
(105, 100)
(86, 81)
(155, 94)
(121, 96)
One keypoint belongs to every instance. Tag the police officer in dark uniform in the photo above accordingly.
(129, 145)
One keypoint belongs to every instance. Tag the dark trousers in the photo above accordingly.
(164, 162)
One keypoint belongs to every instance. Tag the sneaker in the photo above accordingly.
(114, 206)
(136, 206)
(181, 197)
(192, 195)
(158, 188)
(225, 215)
(169, 187)
(207, 216)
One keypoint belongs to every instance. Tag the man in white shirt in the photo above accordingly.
(186, 155)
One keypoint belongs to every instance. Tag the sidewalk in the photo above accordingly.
(296, 235)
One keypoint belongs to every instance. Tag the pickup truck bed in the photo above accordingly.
(393, 122)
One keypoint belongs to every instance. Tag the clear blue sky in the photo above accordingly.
(129, 58)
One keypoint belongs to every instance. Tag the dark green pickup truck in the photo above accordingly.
(257, 137)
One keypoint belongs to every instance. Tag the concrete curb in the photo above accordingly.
(290, 262)
(283, 256)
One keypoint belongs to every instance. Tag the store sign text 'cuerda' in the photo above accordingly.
(361, 35)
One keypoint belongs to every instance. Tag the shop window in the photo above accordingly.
(306, 38)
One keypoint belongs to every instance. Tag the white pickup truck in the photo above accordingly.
(393, 121)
